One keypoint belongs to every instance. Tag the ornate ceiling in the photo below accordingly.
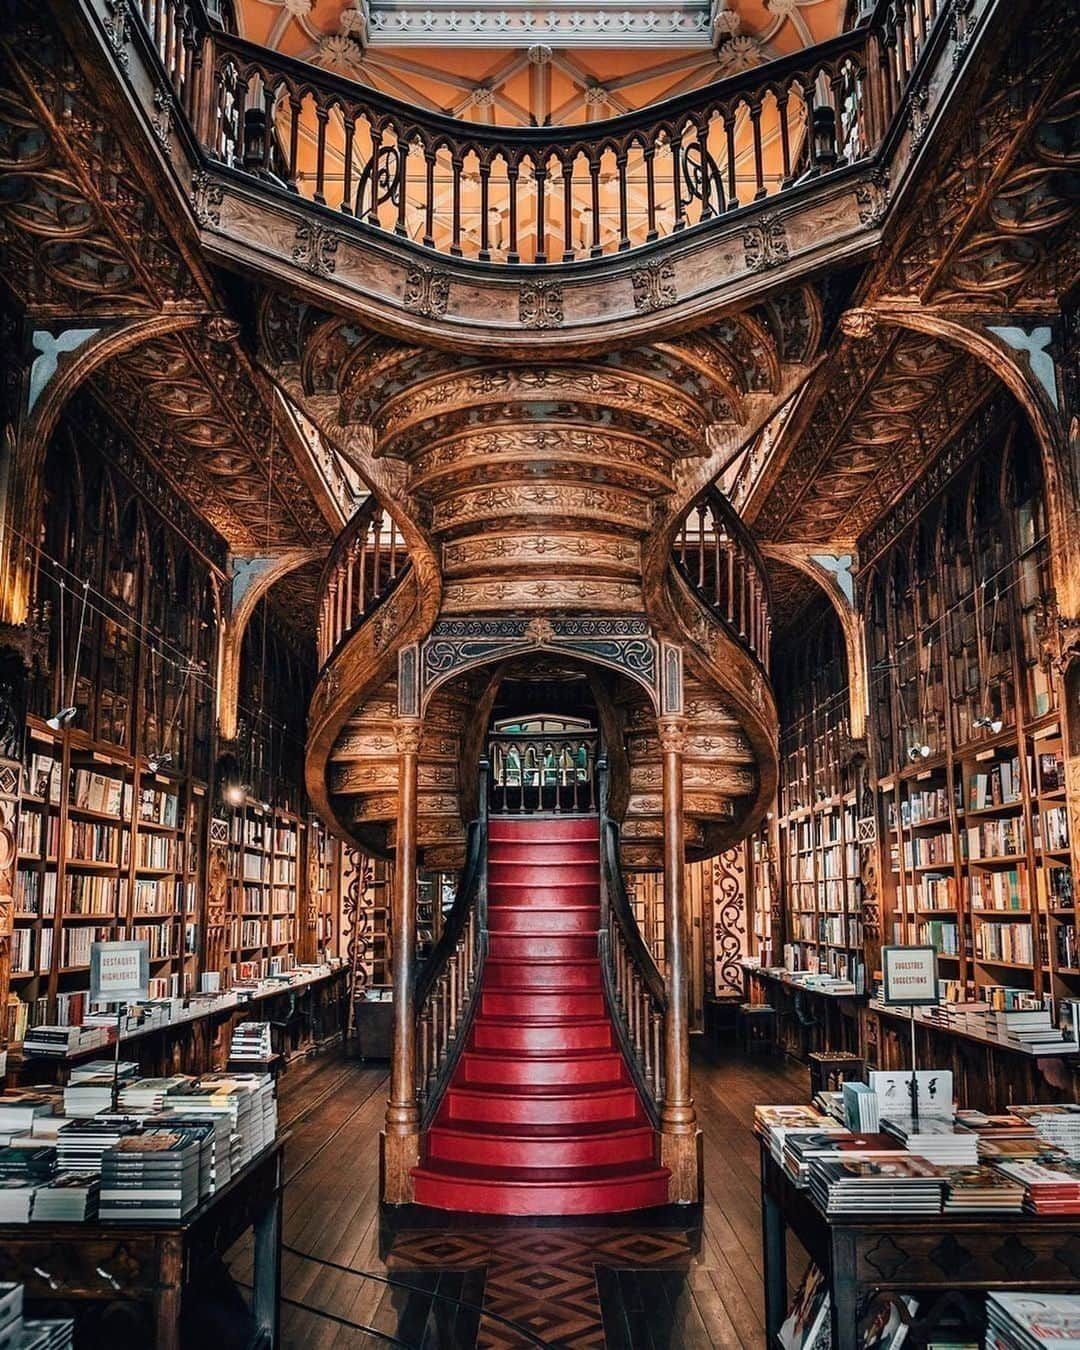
(535, 80)
(992, 229)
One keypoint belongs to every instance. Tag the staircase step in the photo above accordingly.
(524, 1033)
(519, 873)
(550, 975)
(546, 896)
(569, 1068)
(503, 918)
(544, 1146)
(543, 829)
(527, 1190)
(545, 1105)
(539, 851)
(557, 1003)
(542, 947)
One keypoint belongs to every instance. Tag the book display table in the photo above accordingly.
(930, 1256)
(159, 1263)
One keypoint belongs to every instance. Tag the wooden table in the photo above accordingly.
(893, 1255)
(156, 1262)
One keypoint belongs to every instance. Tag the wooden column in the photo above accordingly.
(401, 1137)
(680, 1141)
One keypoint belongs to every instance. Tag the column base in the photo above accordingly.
(398, 1155)
(683, 1155)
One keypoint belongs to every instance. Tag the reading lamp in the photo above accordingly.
(916, 752)
(61, 718)
(994, 724)
(156, 762)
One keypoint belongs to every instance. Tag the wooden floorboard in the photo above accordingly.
(470, 1282)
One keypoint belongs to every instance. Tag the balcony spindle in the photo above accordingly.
(568, 208)
(429, 197)
(540, 178)
(759, 164)
(347, 180)
(676, 182)
(400, 227)
(455, 207)
(649, 153)
(292, 168)
(512, 171)
(322, 116)
(485, 189)
(594, 176)
(729, 135)
(373, 176)
(624, 214)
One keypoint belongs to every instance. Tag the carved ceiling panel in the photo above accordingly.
(79, 230)
(888, 400)
(203, 413)
(997, 221)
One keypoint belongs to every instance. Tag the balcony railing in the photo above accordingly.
(540, 194)
(366, 563)
(720, 561)
(550, 772)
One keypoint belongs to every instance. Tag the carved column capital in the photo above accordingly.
(672, 735)
(407, 736)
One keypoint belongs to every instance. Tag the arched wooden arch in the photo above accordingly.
(801, 557)
(252, 579)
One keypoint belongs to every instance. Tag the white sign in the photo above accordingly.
(909, 976)
(119, 972)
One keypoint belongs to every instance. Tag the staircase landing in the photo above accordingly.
(541, 1116)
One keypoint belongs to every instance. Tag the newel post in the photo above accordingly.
(679, 1135)
(401, 1137)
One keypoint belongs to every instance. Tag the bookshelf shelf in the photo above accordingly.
(953, 638)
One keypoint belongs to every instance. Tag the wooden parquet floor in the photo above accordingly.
(437, 1282)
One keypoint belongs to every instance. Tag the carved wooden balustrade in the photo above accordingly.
(447, 982)
(365, 564)
(633, 985)
(547, 772)
(717, 557)
(538, 195)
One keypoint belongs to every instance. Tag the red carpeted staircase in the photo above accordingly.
(541, 1115)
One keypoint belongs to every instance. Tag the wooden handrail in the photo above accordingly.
(720, 562)
(365, 565)
(448, 981)
(633, 985)
(465, 188)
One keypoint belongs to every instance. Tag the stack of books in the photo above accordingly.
(1059, 1126)
(996, 1151)
(246, 1098)
(830, 1104)
(58, 1042)
(16, 1199)
(212, 1132)
(993, 1128)
(1028, 1029)
(1053, 1187)
(982, 1190)
(80, 1144)
(142, 1096)
(876, 1187)
(23, 1333)
(87, 1096)
(938, 1141)
(772, 1123)
(68, 1198)
(1032, 1321)
(801, 1147)
(861, 1108)
(19, 1111)
(153, 1175)
(251, 1043)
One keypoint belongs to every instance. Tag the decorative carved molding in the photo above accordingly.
(540, 304)
(315, 248)
(766, 244)
(654, 286)
(427, 291)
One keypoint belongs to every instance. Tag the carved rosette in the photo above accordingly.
(672, 735)
(407, 736)
(540, 304)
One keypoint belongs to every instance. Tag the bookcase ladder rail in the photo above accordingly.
(445, 992)
(633, 985)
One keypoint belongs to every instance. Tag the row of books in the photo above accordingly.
(1004, 942)
(39, 835)
(999, 785)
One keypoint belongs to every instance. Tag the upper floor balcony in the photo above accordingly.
(633, 222)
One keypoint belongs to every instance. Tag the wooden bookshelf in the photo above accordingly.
(967, 733)
(819, 862)
(764, 941)
(264, 875)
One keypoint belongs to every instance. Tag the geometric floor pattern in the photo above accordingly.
(541, 1287)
